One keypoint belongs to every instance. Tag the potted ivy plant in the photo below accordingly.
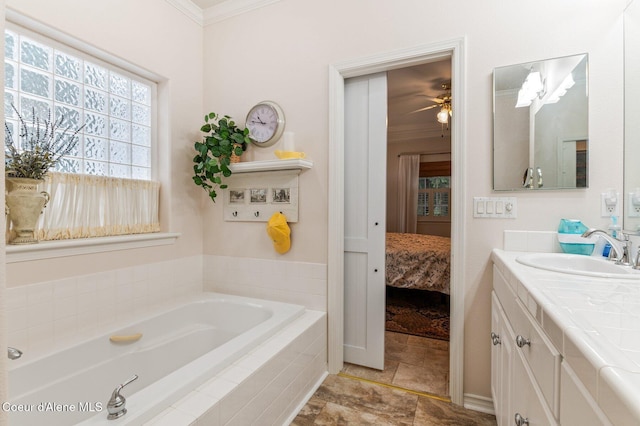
(223, 143)
(29, 155)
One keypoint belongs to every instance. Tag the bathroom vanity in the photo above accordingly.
(565, 347)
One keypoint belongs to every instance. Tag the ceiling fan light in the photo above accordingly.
(443, 116)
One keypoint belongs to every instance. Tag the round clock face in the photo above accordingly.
(265, 122)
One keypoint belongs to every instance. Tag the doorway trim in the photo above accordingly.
(454, 48)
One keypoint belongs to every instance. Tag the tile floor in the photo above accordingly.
(411, 362)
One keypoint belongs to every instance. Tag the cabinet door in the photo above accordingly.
(527, 400)
(507, 347)
(496, 354)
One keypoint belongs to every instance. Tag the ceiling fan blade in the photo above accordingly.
(431, 98)
(425, 108)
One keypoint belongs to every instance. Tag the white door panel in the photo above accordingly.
(364, 242)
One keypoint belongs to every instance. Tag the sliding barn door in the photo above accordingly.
(365, 160)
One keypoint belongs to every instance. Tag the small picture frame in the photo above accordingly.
(258, 195)
(236, 196)
(281, 195)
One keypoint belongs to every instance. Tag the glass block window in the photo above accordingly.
(116, 106)
(434, 195)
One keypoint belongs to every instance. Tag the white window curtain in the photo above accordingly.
(407, 206)
(84, 206)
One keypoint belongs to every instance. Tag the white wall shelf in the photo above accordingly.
(257, 189)
(271, 165)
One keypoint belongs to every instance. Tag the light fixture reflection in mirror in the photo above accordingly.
(541, 125)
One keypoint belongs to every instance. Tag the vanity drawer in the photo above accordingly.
(541, 356)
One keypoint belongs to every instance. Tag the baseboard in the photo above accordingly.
(479, 403)
(306, 399)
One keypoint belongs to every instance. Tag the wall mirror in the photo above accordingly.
(540, 125)
(631, 114)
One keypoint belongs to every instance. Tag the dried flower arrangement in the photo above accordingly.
(38, 147)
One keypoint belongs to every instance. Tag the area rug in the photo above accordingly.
(418, 312)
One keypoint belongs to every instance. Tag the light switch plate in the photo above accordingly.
(634, 209)
(495, 207)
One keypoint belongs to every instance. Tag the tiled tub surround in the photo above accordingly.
(268, 386)
(282, 373)
(54, 314)
(594, 323)
(301, 283)
(172, 352)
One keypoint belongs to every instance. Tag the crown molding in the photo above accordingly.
(189, 9)
(230, 8)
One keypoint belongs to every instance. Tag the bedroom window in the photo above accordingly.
(434, 198)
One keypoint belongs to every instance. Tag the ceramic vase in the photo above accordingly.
(24, 206)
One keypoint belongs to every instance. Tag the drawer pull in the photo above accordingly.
(495, 339)
(521, 421)
(522, 341)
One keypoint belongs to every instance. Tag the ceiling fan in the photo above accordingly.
(443, 101)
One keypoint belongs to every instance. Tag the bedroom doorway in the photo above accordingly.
(338, 72)
(418, 230)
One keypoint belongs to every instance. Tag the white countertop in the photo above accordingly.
(593, 322)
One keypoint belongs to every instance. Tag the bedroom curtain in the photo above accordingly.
(408, 175)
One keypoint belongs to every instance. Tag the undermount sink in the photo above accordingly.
(578, 265)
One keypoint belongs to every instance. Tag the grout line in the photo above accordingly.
(425, 394)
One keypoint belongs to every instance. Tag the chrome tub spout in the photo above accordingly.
(13, 353)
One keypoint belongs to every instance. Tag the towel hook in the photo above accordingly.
(235, 214)
(257, 214)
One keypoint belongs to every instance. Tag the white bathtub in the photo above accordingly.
(179, 350)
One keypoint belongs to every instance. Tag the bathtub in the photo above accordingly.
(179, 350)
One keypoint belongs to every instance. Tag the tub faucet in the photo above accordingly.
(116, 405)
(620, 245)
(13, 353)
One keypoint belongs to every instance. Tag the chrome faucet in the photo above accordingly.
(620, 245)
(13, 353)
(116, 405)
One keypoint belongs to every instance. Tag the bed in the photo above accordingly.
(418, 261)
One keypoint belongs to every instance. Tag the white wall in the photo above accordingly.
(157, 37)
(282, 52)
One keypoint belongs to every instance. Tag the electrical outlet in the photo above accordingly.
(610, 204)
(634, 204)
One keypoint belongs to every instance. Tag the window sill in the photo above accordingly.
(61, 248)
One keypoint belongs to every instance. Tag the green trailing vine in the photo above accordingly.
(222, 139)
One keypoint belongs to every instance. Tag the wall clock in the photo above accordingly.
(265, 122)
